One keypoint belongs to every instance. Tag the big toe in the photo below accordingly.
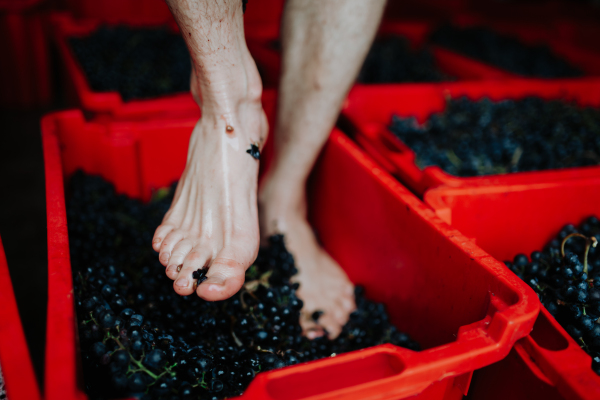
(225, 278)
(310, 328)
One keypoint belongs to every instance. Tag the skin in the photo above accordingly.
(213, 220)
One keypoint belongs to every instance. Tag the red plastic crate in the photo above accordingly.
(80, 93)
(432, 9)
(508, 219)
(25, 68)
(15, 363)
(521, 10)
(262, 19)
(530, 11)
(457, 301)
(368, 112)
(583, 33)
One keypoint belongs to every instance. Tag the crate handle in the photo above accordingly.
(349, 376)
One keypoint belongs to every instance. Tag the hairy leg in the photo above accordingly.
(324, 45)
(213, 220)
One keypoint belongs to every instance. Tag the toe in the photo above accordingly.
(331, 325)
(310, 328)
(178, 255)
(172, 271)
(349, 291)
(348, 304)
(159, 235)
(339, 315)
(225, 278)
(168, 243)
(185, 284)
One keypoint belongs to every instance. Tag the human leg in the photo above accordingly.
(324, 44)
(213, 219)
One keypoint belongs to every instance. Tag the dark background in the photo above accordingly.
(23, 222)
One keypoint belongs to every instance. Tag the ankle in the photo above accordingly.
(231, 82)
(281, 197)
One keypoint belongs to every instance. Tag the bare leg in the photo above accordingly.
(324, 44)
(213, 219)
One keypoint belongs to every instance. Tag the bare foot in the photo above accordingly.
(324, 285)
(213, 220)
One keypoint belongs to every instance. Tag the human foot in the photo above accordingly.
(213, 219)
(324, 286)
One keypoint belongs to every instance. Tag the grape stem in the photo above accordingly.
(589, 242)
(136, 362)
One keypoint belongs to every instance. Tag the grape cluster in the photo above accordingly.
(566, 277)
(391, 60)
(139, 338)
(473, 138)
(505, 52)
(138, 63)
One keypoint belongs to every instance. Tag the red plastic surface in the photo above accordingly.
(25, 67)
(583, 33)
(263, 19)
(516, 377)
(507, 219)
(17, 5)
(368, 112)
(80, 93)
(121, 11)
(17, 370)
(432, 9)
(463, 306)
(528, 11)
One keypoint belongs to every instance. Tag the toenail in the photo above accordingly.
(157, 240)
(183, 282)
(229, 128)
(179, 268)
(165, 256)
